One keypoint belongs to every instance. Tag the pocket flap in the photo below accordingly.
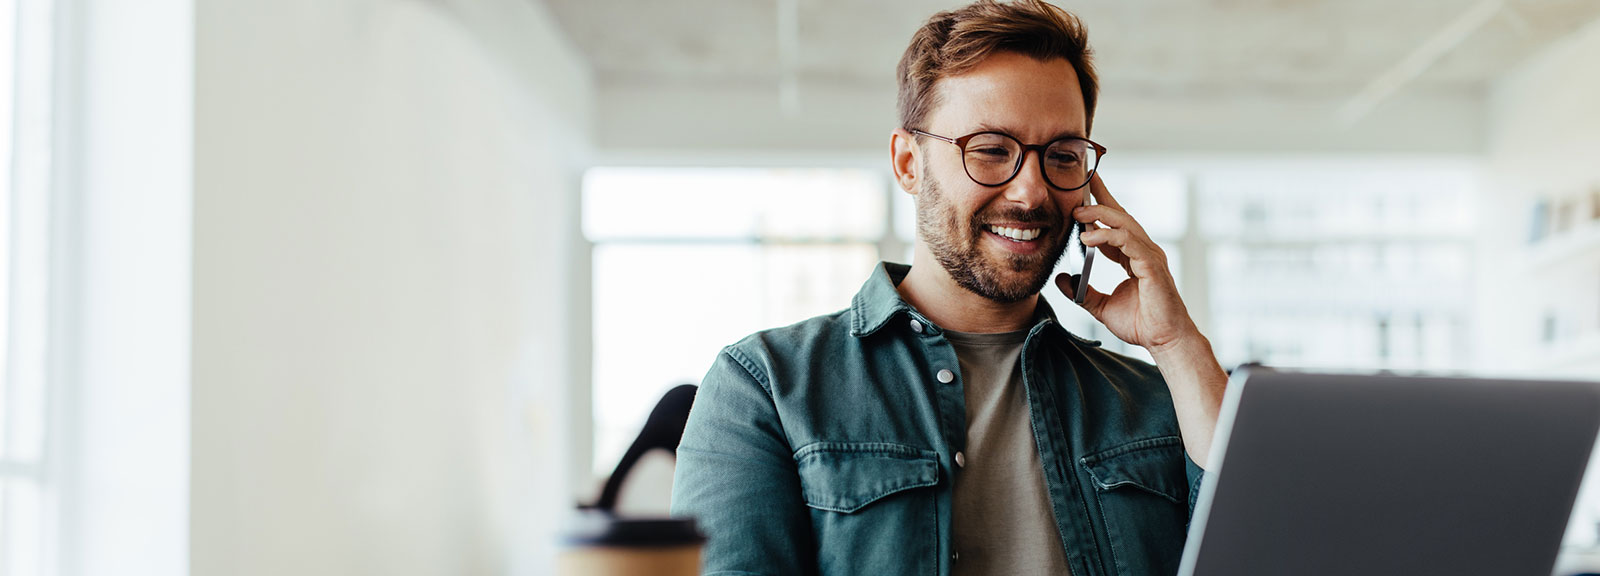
(1154, 465)
(847, 476)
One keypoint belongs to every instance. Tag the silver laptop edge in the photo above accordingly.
(1219, 446)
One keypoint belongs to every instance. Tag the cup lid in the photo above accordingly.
(601, 529)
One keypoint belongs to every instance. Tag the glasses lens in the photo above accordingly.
(1069, 163)
(991, 158)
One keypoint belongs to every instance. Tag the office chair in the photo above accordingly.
(663, 429)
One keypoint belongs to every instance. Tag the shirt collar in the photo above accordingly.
(878, 301)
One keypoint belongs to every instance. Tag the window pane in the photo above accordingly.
(5, 415)
(663, 312)
(25, 208)
(1341, 304)
(1157, 199)
(733, 203)
(1340, 265)
(22, 523)
(7, 98)
(905, 217)
(1357, 199)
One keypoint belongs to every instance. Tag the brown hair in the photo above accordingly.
(955, 41)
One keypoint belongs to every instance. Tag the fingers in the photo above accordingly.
(1132, 246)
(1113, 216)
(1145, 259)
(1092, 303)
(1123, 239)
(1118, 220)
(1108, 251)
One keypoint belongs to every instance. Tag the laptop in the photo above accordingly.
(1339, 474)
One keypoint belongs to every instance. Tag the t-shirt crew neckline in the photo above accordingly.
(987, 339)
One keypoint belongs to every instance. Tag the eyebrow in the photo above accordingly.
(985, 127)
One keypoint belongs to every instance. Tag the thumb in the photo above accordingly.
(1068, 283)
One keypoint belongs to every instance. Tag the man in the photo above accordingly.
(945, 423)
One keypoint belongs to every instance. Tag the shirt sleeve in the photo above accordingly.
(1195, 474)
(736, 476)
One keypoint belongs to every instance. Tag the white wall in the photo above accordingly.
(1544, 139)
(381, 229)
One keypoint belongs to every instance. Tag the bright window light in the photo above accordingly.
(28, 492)
(732, 203)
(688, 260)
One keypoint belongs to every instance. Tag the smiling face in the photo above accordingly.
(999, 242)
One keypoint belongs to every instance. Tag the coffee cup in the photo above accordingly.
(601, 544)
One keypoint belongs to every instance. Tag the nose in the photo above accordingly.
(1029, 188)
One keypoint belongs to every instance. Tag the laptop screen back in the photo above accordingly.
(1321, 474)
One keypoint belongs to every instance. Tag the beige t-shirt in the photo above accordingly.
(1001, 521)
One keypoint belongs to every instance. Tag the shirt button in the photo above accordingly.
(916, 326)
(956, 557)
(961, 459)
(946, 376)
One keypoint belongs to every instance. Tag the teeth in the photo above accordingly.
(1019, 234)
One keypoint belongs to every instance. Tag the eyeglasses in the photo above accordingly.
(994, 158)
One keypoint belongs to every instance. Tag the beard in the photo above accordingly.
(956, 245)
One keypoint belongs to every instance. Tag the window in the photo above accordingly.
(28, 488)
(688, 260)
(1340, 266)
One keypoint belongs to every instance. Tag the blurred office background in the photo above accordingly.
(388, 286)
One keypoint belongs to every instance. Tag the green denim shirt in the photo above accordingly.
(828, 447)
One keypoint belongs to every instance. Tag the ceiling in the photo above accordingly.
(1155, 49)
(1171, 46)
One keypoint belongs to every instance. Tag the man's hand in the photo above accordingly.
(1144, 310)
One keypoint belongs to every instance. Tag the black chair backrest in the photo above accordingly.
(663, 429)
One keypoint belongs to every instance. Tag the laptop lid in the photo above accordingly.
(1338, 474)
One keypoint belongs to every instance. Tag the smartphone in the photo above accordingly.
(1082, 289)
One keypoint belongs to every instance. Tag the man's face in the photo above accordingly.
(973, 230)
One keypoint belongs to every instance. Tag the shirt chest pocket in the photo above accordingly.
(873, 506)
(1143, 495)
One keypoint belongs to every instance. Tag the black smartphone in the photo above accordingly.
(1082, 289)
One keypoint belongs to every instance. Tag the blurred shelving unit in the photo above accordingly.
(1560, 280)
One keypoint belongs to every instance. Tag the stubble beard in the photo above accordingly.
(1008, 279)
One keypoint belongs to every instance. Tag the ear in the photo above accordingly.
(903, 158)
